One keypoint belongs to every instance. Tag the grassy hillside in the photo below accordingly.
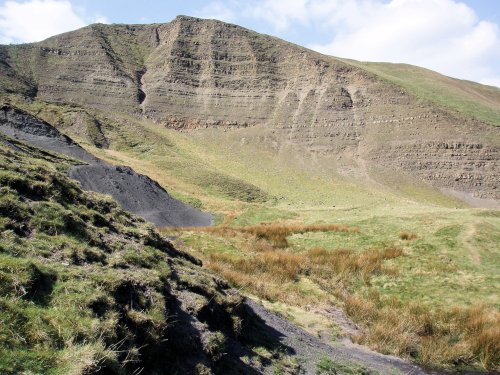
(421, 263)
(310, 221)
(87, 288)
(414, 247)
(450, 267)
(465, 97)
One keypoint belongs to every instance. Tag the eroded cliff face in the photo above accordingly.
(194, 74)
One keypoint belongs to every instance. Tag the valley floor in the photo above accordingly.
(312, 354)
(416, 271)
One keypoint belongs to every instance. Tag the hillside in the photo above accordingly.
(357, 200)
(87, 288)
(135, 193)
(464, 97)
(194, 74)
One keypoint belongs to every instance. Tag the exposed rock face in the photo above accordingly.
(467, 167)
(194, 74)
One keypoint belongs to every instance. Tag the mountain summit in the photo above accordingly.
(366, 121)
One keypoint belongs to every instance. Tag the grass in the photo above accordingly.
(457, 336)
(437, 269)
(326, 366)
(466, 98)
(276, 274)
(259, 214)
(449, 254)
(86, 287)
(53, 267)
(407, 236)
(275, 233)
(394, 282)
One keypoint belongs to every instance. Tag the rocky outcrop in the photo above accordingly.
(192, 74)
(467, 167)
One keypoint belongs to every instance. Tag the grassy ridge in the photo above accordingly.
(464, 97)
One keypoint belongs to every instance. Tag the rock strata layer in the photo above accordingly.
(192, 74)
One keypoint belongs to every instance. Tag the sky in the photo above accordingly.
(458, 38)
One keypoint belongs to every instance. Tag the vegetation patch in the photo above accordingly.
(327, 366)
(456, 336)
(361, 281)
(407, 236)
(274, 233)
(87, 288)
(259, 215)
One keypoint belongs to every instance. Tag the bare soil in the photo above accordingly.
(309, 350)
(134, 192)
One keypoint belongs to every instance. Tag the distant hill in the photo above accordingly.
(367, 120)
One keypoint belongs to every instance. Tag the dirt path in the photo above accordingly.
(467, 238)
(309, 350)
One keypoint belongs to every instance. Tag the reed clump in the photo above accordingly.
(275, 233)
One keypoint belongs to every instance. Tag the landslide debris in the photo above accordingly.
(134, 192)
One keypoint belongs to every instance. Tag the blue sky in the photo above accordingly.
(459, 38)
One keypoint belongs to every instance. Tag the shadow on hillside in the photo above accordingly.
(187, 332)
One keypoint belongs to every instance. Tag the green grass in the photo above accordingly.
(87, 287)
(453, 261)
(327, 366)
(259, 214)
(438, 271)
(53, 259)
(464, 97)
(439, 267)
(181, 164)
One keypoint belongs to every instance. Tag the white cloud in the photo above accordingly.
(35, 20)
(282, 15)
(218, 11)
(492, 81)
(100, 19)
(442, 35)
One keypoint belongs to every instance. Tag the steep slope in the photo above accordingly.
(193, 74)
(96, 65)
(134, 192)
(235, 122)
(465, 97)
(85, 287)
